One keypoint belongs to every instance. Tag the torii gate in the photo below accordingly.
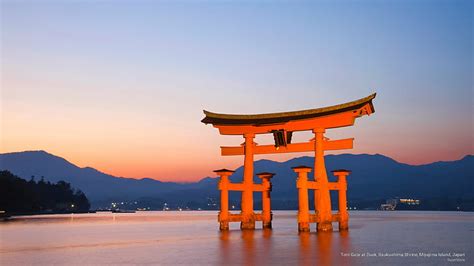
(282, 125)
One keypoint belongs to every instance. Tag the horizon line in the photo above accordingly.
(200, 179)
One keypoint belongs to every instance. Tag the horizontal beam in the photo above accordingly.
(327, 122)
(334, 186)
(313, 218)
(241, 187)
(235, 187)
(294, 147)
(330, 186)
(237, 217)
(234, 218)
(340, 144)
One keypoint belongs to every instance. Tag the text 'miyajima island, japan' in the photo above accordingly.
(236, 132)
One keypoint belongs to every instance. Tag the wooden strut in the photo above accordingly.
(225, 186)
(303, 186)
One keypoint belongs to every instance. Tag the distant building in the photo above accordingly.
(387, 207)
(391, 204)
(410, 201)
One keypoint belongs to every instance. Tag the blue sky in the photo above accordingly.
(123, 76)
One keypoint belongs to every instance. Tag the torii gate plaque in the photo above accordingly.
(282, 125)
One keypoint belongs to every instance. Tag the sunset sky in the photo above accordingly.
(120, 86)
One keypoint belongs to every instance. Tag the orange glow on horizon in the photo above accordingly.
(139, 166)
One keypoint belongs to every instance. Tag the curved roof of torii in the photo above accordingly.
(272, 118)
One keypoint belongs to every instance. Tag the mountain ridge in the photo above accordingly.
(452, 179)
(467, 156)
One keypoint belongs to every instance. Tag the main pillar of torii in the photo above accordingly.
(282, 125)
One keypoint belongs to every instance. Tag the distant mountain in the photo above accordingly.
(373, 179)
(96, 185)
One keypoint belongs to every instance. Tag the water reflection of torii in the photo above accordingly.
(282, 126)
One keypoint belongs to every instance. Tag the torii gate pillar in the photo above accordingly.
(266, 201)
(322, 198)
(248, 217)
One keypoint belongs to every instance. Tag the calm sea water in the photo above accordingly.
(192, 238)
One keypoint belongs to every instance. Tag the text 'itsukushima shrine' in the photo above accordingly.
(282, 126)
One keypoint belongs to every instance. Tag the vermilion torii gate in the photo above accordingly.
(282, 126)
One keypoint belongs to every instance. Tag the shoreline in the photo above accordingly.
(8, 217)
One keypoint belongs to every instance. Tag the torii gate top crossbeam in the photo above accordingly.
(327, 117)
